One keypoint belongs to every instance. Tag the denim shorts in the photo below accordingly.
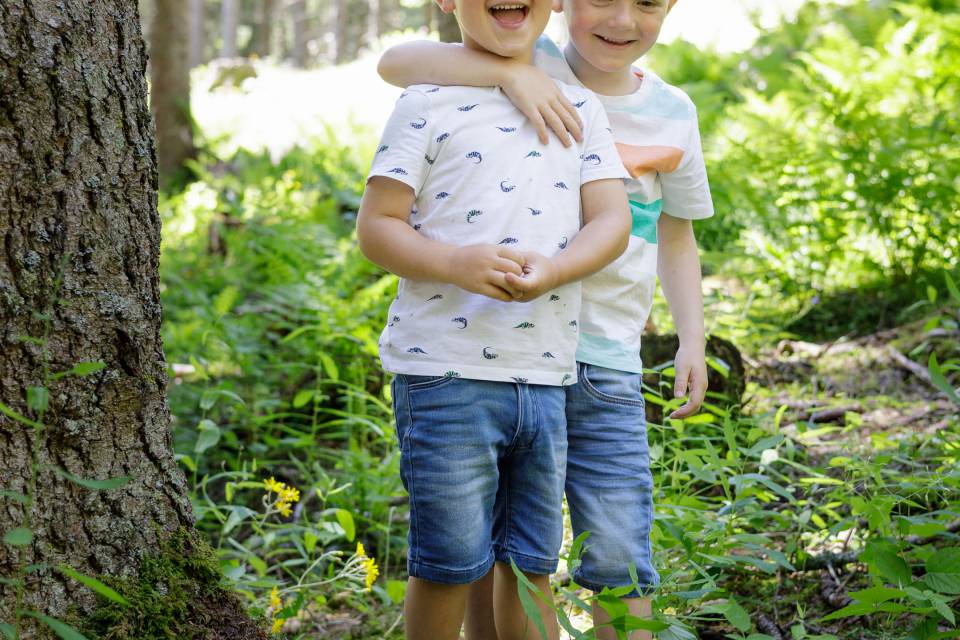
(609, 484)
(483, 463)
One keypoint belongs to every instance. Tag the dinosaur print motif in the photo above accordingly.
(489, 353)
(467, 107)
(398, 171)
(475, 154)
(419, 125)
(429, 159)
(561, 185)
(508, 241)
(507, 129)
(525, 325)
(416, 350)
(506, 187)
(442, 195)
(566, 377)
(547, 354)
(473, 213)
(573, 323)
(382, 148)
(461, 321)
(534, 212)
(439, 296)
(519, 380)
(579, 104)
(434, 90)
(533, 154)
(593, 158)
(442, 137)
(451, 374)
(563, 243)
(554, 297)
(416, 227)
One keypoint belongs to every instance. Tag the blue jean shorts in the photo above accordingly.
(483, 463)
(609, 484)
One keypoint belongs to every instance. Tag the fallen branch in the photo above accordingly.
(769, 627)
(916, 369)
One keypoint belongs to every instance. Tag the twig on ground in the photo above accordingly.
(769, 627)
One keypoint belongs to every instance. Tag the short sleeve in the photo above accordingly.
(401, 154)
(686, 191)
(600, 160)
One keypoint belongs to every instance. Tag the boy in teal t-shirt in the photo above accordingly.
(609, 483)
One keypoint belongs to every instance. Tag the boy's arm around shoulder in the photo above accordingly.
(531, 90)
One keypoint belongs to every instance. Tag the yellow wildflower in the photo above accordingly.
(277, 625)
(370, 566)
(275, 600)
(290, 494)
(284, 508)
(361, 551)
(272, 485)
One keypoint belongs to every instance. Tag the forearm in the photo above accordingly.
(601, 241)
(438, 63)
(393, 244)
(678, 265)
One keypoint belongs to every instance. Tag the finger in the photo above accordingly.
(496, 293)
(685, 411)
(698, 388)
(555, 123)
(539, 125)
(571, 120)
(680, 382)
(515, 292)
(572, 110)
(511, 254)
(506, 265)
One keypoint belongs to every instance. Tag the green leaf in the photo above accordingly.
(310, 542)
(527, 601)
(7, 630)
(856, 609)
(940, 381)
(209, 435)
(329, 366)
(303, 397)
(19, 537)
(952, 287)
(99, 485)
(94, 584)
(396, 590)
(892, 567)
(345, 518)
(10, 413)
(65, 631)
(38, 398)
(876, 595)
(944, 610)
(737, 616)
(16, 496)
(81, 369)
(943, 571)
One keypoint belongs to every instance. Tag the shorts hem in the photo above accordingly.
(527, 563)
(440, 575)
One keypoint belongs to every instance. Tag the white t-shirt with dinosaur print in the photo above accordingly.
(481, 176)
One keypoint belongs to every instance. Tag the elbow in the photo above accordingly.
(388, 71)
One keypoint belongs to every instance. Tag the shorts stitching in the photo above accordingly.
(414, 521)
(605, 397)
(439, 381)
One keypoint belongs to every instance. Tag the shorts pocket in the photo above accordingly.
(610, 385)
(417, 383)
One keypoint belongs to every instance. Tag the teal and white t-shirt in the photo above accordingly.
(481, 176)
(657, 136)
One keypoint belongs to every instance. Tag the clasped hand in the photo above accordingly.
(502, 273)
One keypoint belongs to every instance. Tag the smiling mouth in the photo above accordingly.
(613, 41)
(509, 14)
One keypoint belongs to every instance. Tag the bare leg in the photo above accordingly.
(434, 611)
(512, 621)
(639, 607)
(478, 623)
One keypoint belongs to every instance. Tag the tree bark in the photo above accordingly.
(263, 28)
(229, 22)
(170, 87)
(198, 32)
(298, 14)
(79, 282)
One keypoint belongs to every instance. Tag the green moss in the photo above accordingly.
(177, 596)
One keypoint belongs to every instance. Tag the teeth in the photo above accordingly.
(506, 7)
(615, 41)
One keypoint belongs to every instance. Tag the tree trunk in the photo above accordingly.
(79, 283)
(198, 32)
(263, 28)
(229, 22)
(298, 14)
(170, 87)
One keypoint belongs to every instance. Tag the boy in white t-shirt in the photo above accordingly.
(473, 212)
(609, 483)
